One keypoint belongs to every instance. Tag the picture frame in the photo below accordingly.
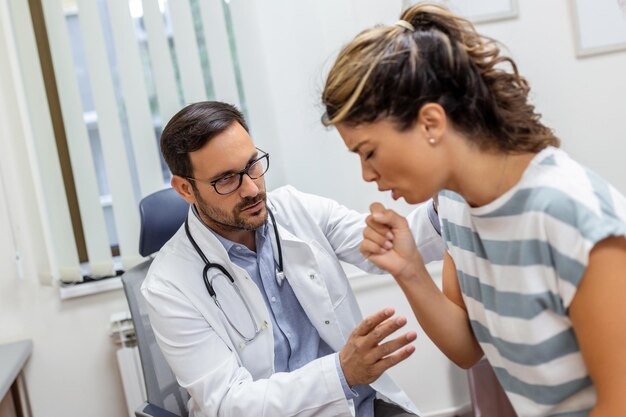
(478, 11)
(599, 26)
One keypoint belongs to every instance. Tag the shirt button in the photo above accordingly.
(273, 299)
(312, 276)
(327, 322)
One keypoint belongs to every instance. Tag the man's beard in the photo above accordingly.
(232, 221)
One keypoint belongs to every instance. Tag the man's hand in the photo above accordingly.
(389, 244)
(364, 358)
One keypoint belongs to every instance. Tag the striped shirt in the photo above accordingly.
(519, 261)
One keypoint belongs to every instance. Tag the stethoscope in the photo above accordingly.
(280, 276)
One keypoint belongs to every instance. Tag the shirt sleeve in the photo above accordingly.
(573, 230)
(349, 392)
(425, 226)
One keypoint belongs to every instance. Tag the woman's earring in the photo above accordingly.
(432, 141)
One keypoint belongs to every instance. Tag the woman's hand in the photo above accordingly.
(389, 244)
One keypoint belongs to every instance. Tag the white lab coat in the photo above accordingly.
(229, 379)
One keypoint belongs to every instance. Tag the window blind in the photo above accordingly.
(122, 68)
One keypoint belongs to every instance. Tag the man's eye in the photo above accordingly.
(369, 154)
(226, 179)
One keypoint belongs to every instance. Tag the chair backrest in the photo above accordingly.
(162, 213)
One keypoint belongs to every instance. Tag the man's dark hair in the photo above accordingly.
(191, 128)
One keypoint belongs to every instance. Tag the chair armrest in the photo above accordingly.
(151, 410)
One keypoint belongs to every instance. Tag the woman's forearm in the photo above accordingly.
(445, 322)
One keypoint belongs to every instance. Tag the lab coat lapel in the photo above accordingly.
(303, 274)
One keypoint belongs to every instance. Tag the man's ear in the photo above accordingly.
(183, 187)
(433, 120)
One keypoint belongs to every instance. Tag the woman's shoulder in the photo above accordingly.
(562, 183)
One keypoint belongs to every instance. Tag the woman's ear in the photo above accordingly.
(183, 187)
(432, 119)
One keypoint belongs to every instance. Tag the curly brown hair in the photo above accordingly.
(391, 72)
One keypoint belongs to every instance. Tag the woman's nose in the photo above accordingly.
(368, 173)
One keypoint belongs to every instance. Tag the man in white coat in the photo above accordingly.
(248, 300)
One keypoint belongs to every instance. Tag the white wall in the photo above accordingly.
(73, 370)
(584, 100)
(7, 244)
(295, 41)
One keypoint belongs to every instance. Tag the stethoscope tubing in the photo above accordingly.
(207, 283)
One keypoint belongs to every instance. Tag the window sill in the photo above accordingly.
(68, 291)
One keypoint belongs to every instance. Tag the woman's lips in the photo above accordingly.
(394, 194)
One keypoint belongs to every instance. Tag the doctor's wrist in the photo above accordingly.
(347, 390)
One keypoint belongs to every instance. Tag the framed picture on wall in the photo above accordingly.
(599, 26)
(478, 11)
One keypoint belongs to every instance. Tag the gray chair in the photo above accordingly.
(488, 397)
(162, 213)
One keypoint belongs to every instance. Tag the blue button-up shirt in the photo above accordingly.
(296, 341)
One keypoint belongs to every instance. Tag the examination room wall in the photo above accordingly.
(73, 371)
(583, 99)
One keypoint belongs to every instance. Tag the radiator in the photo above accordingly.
(128, 361)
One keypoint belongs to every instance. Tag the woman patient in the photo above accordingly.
(535, 272)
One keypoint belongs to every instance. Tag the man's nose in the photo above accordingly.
(249, 187)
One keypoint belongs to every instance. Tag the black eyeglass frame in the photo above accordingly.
(241, 173)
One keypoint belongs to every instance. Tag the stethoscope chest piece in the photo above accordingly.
(280, 277)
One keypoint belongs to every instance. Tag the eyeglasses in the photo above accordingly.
(229, 183)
